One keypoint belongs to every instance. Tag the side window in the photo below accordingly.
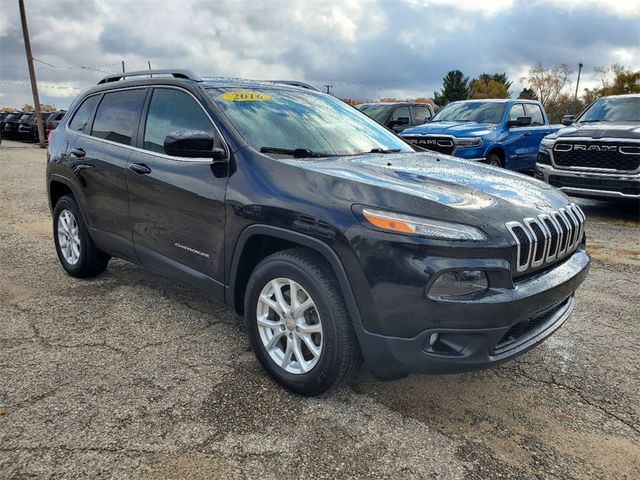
(172, 111)
(516, 111)
(117, 116)
(83, 113)
(421, 115)
(535, 113)
(400, 112)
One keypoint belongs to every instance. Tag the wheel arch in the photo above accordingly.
(500, 152)
(258, 241)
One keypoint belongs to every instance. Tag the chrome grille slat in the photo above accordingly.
(550, 236)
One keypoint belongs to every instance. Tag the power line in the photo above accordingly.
(43, 85)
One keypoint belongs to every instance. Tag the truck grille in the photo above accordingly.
(437, 144)
(597, 155)
(547, 238)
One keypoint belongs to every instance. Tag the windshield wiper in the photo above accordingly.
(592, 121)
(294, 152)
(382, 150)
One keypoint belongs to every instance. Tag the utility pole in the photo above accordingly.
(122, 66)
(328, 88)
(578, 82)
(32, 74)
(149, 63)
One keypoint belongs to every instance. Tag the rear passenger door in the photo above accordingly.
(101, 150)
(177, 203)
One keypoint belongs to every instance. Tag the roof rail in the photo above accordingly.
(184, 74)
(297, 83)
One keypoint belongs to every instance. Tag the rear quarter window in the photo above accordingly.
(83, 113)
(117, 116)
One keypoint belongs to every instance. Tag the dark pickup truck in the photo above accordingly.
(598, 154)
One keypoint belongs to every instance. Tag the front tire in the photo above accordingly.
(298, 324)
(76, 251)
(494, 159)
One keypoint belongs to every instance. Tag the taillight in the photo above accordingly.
(49, 125)
(51, 133)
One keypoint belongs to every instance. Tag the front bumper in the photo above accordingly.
(591, 184)
(509, 323)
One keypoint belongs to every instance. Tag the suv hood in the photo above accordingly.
(602, 130)
(436, 185)
(457, 129)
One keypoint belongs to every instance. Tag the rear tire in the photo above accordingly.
(494, 159)
(279, 324)
(76, 251)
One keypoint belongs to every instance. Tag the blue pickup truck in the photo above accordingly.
(505, 132)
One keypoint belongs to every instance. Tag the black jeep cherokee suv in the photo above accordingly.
(333, 238)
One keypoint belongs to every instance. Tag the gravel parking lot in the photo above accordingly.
(129, 375)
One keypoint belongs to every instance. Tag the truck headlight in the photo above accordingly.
(463, 282)
(425, 227)
(468, 142)
(547, 144)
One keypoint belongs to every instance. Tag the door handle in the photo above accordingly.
(527, 134)
(140, 168)
(78, 152)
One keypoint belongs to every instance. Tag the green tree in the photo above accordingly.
(27, 108)
(495, 77)
(45, 107)
(528, 94)
(482, 88)
(455, 86)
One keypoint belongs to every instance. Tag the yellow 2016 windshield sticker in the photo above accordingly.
(246, 97)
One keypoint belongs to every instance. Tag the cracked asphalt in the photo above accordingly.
(130, 375)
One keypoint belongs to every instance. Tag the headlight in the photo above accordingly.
(547, 144)
(455, 284)
(426, 227)
(468, 142)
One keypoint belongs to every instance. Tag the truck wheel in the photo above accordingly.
(76, 251)
(494, 159)
(297, 323)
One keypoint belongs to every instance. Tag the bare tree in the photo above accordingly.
(548, 83)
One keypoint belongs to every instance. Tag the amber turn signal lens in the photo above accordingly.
(387, 223)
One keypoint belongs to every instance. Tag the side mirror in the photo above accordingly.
(519, 122)
(192, 144)
(568, 119)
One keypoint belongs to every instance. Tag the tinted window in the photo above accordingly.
(172, 111)
(535, 113)
(421, 115)
(117, 116)
(516, 112)
(83, 114)
(400, 112)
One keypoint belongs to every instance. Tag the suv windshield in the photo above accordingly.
(377, 112)
(619, 109)
(297, 121)
(480, 112)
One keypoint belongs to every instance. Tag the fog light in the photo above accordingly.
(463, 282)
(433, 339)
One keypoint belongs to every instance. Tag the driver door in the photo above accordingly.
(176, 204)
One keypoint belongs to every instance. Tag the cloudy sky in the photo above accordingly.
(364, 48)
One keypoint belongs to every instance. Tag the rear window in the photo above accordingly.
(83, 114)
(117, 116)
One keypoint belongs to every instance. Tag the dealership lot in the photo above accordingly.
(130, 375)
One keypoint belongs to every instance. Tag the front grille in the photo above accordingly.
(626, 187)
(597, 155)
(437, 144)
(548, 237)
